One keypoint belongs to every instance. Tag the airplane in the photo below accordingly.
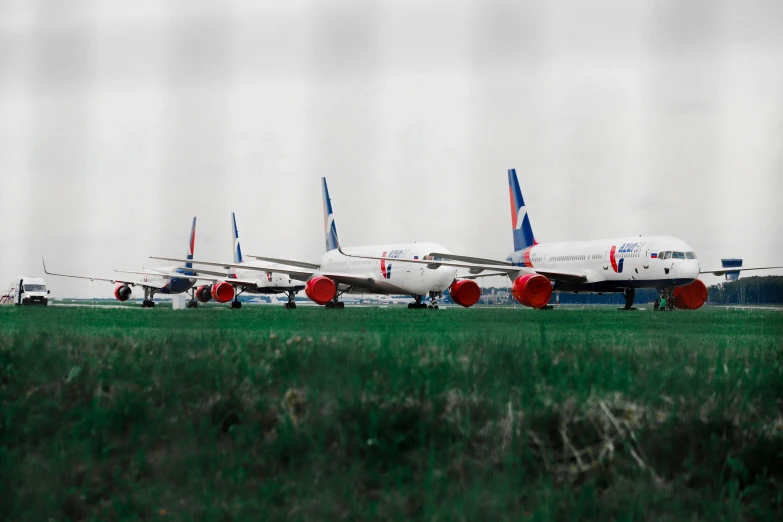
(166, 280)
(340, 272)
(622, 264)
(244, 278)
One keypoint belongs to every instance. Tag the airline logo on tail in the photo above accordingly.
(330, 228)
(520, 223)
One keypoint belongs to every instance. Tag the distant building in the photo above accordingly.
(732, 262)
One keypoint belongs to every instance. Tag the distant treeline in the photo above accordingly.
(748, 290)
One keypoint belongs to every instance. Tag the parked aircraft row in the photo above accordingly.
(422, 269)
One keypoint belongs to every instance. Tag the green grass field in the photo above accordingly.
(390, 414)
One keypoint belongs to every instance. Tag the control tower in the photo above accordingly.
(732, 262)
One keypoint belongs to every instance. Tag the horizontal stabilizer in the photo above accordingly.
(724, 271)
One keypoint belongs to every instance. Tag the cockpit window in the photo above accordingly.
(678, 255)
(667, 255)
(690, 255)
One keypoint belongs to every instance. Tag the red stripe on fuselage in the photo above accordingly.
(383, 265)
(612, 258)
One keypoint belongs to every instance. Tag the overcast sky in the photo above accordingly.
(120, 121)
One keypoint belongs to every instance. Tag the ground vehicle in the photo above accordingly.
(30, 291)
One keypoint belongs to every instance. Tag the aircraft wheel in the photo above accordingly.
(410, 306)
(330, 304)
(236, 305)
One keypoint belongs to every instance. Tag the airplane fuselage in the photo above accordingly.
(612, 265)
(173, 285)
(390, 276)
(269, 282)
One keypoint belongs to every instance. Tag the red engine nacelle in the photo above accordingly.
(122, 292)
(320, 290)
(532, 290)
(465, 292)
(690, 297)
(204, 294)
(222, 292)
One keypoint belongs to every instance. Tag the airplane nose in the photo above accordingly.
(689, 270)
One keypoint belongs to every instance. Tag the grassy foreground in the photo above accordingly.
(390, 414)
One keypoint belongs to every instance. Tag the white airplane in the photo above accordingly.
(381, 269)
(244, 278)
(168, 280)
(621, 264)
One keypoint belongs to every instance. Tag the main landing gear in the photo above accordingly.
(334, 303)
(629, 295)
(193, 303)
(148, 295)
(235, 304)
(291, 304)
(418, 304)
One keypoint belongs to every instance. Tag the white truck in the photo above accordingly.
(30, 291)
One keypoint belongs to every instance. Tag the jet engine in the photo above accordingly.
(532, 290)
(204, 294)
(465, 292)
(320, 290)
(690, 297)
(222, 292)
(122, 292)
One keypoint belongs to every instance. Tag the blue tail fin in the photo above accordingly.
(191, 247)
(520, 223)
(235, 237)
(330, 228)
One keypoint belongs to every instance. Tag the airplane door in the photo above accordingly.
(606, 260)
(647, 258)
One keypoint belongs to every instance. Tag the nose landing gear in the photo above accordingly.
(435, 298)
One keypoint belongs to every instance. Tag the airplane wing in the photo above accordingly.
(114, 281)
(289, 262)
(230, 280)
(555, 275)
(485, 274)
(294, 273)
(723, 271)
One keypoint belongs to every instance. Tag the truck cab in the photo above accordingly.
(31, 291)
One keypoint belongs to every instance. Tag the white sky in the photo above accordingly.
(119, 121)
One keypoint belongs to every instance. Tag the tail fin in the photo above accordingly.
(330, 228)
(237, 248)
(520, 223)
(191, 243)
(235, 237)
